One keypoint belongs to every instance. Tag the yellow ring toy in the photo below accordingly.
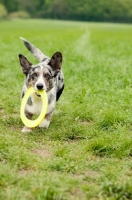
(36, 122)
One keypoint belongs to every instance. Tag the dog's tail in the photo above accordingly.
(35, 51)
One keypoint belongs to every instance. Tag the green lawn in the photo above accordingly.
(87, 151)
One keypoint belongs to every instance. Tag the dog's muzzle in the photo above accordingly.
(40, 86)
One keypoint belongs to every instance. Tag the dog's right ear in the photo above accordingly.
(26, 65)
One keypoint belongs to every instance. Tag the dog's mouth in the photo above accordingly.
(37, 94)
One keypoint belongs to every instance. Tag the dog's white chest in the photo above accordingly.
(36, 106)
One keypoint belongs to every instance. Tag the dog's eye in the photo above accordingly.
(47, 76)
(34, 76)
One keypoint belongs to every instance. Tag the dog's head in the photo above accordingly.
(41, 76)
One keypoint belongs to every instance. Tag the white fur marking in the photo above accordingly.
(44, 124)
(41, 80)
(36, 106)
(26, 129)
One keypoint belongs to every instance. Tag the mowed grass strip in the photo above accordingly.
(86, 152)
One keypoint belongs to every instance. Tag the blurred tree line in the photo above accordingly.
(84, 10)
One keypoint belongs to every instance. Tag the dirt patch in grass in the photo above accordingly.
(85, 123)
(15, 114)
(1, 110)
(13, 129)
(77, 194)
(42, 152)
(24, 172)
(91, 173)
(88, 173)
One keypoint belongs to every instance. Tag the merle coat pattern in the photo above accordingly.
(46, 75)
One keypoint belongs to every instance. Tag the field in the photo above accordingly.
(87, 151)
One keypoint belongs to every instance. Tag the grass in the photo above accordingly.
(87, 151)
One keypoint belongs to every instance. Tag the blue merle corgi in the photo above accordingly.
(46, 75)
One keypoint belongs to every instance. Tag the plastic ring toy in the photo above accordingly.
(33, 123)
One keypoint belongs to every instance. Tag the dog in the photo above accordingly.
(46, 75)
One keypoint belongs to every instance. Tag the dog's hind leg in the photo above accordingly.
(45, 123)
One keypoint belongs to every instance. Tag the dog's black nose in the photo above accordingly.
(39, 86)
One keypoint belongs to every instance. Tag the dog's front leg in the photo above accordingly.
(25, 128)
(45, 123)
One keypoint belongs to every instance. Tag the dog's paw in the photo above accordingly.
(44, 124)
(26, 129)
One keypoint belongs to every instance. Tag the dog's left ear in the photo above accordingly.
(56, 62)
(26, 65)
